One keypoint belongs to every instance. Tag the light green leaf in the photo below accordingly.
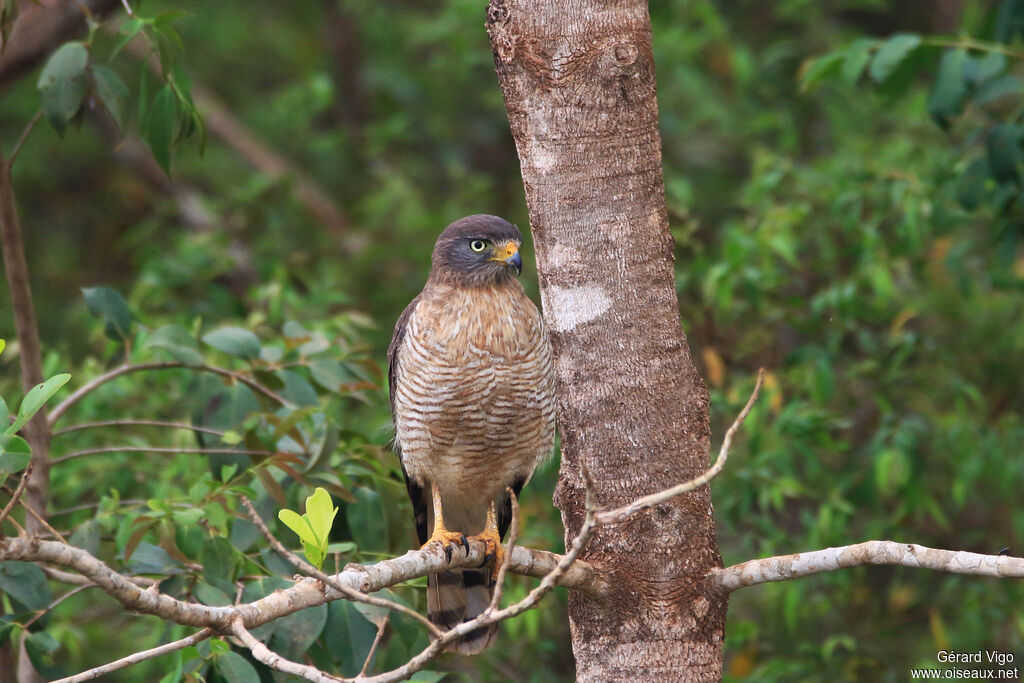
(14, 454)
(857, 56)
(299, 524)
(321, 512)
(234, 340)
(35, 399)
(3, 345)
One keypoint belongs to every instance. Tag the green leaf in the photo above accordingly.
(179, 344)
(35, 399)
(15, 454)
(3, 345)
(950, 90)
(62, 84)
(211, 595)
(129, 30)
(891, 54)
(367, 521)
(818, 69)
(856, 58)
(1004, 152)
(979, 70)
(25, 583)
(330, 374)
(235, 668)
(235, 341)
(321, 512)
(296, 389)
(159, 126)
(108, 305)
(348, 636)
(111, 91)
(299, 524)
(997, 88)
(296, 632)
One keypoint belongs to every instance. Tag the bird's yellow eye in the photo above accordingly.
(478, 245)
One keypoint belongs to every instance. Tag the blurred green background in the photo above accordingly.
(856, 235)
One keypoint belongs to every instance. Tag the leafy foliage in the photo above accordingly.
(843, 183)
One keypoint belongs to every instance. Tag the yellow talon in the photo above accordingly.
(447, 539)
(492, 540)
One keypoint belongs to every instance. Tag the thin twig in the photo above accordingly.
(513, 533)
(36, 516)
(310, 570)
(376, 641)
(137, 657)
(155, 449)
(265, 655)
(622, 513)
(127, 8)
(95, 382)
(26, 475)
(21, 140)
(140, 423)
(40, 613)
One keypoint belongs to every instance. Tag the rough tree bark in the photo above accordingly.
(578, 82)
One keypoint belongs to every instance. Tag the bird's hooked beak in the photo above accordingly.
(509, 255)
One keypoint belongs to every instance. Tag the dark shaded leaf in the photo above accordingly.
(1004, 152)
(62, 84)
(814, 71)
(235, 668)
(108, 305)
(349, 636)
(211, 595)
(950, 90)
(367, 521)
(25, 583)
(111, 91)
(297, 631)
(159, 126)
(1007, 84)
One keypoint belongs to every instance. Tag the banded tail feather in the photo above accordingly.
(456, 596)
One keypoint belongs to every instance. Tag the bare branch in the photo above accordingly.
(21, 140)
(309, 569)
(376, 641)
(155, 449)
(621, 514)
(26, 475)
(137, 657)
(785, 567)
(126, 369)
(40, 520)
(264, 654)
(305, 592)
(140, 423)
(78, 580)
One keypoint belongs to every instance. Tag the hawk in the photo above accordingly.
(473, 403)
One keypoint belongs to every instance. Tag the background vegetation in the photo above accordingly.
(852, 223)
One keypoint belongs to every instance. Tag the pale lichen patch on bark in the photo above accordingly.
(569, 307)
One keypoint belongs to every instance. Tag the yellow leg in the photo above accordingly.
(492, 539)
(447, 539)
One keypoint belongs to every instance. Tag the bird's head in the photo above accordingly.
(478, 250)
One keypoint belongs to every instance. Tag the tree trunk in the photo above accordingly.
(578, 81)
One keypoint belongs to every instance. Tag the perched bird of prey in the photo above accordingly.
(473, 402)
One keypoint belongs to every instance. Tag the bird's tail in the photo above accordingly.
(459, 595)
